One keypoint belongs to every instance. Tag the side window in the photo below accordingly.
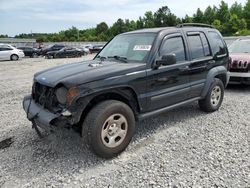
(218, 46)
(175, 46)
(196, 46)
(6, 48)
(206, 48)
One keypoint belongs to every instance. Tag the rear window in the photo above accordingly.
(217, 44)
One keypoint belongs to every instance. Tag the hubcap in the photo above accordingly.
(14, 57)
(215, 95)
(114, 130)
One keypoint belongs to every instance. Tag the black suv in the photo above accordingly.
(137, 75)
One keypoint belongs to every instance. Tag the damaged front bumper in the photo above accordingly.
(39, 115)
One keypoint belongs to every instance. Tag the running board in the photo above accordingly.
(159, 111)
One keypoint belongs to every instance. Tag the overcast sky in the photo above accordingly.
(24, 16)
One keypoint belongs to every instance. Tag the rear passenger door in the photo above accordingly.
(201, 58)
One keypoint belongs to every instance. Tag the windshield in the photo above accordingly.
(241, 46)
(132, 47)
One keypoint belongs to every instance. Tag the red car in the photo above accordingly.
(239, 65)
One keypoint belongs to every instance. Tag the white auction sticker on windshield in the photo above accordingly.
(142, 47)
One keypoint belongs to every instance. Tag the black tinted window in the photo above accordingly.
(205, 45)
(196, 46)
(218, 46)
(175, 46)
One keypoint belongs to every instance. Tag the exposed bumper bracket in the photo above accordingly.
(37, 114)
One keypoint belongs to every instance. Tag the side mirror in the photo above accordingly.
(169, 59)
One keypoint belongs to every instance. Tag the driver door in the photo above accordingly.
(168, 85)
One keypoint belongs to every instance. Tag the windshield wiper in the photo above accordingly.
(102, 58)
(120, 58)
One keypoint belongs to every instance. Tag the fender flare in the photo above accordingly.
(212, 73)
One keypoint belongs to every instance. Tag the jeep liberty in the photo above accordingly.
(137, 75)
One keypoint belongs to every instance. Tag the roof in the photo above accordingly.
(183, 26)
(151, 30)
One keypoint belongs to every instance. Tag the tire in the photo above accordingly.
(14, 57)
(214, 97)
(108, 128)
(34, 55)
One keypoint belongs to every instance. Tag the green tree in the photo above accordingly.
(101, 28)
(187, 19)
(223, 13)
(139, 23)
(246, 13)
(164, 17)
(217, 24)
(119, 27)
(237, 9)
(3, 36)
(148, 20)
(209, 15)
(235, 24)
(198, 17)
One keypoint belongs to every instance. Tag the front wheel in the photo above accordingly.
(14, 57)
(214, 97)
(108, 128)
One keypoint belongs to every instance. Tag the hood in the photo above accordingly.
(239, 60)
(83, 72)
(240, 56)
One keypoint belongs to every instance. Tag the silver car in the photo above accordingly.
(8, 52)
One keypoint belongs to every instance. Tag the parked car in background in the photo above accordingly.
(96, 48)
(85, 50)
(65, 52)
(54, 47)
(239, 64)
(30, 51)
(9, 52)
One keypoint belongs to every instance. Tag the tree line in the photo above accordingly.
(234, 20)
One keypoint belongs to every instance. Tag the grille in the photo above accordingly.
(239, 66)
(43, 95)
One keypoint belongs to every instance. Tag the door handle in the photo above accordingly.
(211, 62)
(184, 68)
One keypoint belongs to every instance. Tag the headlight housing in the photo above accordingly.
(61, 95)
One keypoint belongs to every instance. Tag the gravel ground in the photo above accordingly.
(181, 148)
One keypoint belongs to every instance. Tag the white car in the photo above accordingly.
(8, 52)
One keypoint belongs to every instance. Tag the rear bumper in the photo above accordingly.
(36, 113)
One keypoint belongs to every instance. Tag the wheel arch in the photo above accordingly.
(219, 72)
(124, 94)
(14, 54)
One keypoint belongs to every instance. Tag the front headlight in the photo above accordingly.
(61, 95)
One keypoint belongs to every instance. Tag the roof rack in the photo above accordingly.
(194, 24)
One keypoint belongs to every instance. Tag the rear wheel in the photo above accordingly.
(14, 57)
(34, 55)
(108, 128)
(214, 97)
